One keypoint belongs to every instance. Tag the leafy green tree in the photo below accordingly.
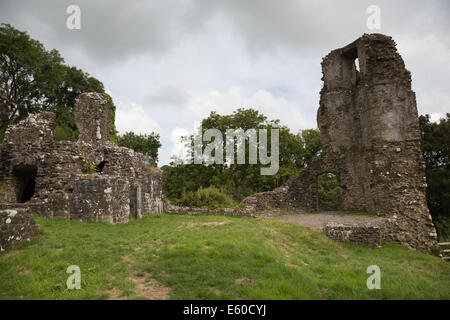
(436, 152)
(311, 145)
(147, 144)
(240, 180)
(329, 189)
(36, 79)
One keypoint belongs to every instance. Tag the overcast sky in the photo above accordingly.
(168, 64)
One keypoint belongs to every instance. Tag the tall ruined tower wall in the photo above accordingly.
(370, 133)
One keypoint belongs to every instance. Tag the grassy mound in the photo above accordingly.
(211, 257)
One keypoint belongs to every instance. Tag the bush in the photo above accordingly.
(442, 225)
(147, 144)
(211, 198)
(436, 152)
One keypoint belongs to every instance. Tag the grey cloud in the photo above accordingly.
(110, 30)
(168, 55)
(116, 30)
(168, 96)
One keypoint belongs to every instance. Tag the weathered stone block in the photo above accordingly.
(93, 118)
(101, 198)
(16, 226)
(359, 234)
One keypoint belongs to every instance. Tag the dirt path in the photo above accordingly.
(316, 221)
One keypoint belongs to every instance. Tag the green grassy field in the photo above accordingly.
(211, 257)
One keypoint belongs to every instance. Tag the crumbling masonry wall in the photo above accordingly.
(16, 226)
(90, 179)
(369, 127)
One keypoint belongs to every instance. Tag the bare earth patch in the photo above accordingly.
(244, 281)
(216, 291)
(115, 294)
(214, 223)
(290, 265)
(151, 289)
(25, 272)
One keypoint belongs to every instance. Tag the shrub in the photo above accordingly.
(442, 225)
(211, 198)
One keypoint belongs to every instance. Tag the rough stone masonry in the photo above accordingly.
(16, 226)
(90, 179)
(369, 126)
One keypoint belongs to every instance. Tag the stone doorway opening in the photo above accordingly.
(101, 166)
(329, 191)
(25, 182)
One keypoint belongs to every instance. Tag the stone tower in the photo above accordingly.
(370, 133)
(93, 118)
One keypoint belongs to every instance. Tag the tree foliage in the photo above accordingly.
(329, 189)
(36, 79)
(240, 180)
(147, 144)
(436, 152)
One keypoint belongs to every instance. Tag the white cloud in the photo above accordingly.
(131, 116)
(289, 112)
(435, 102)
(178, 149)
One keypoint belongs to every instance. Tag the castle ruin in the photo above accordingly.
(88, 180)
(370, 133)
(369, 127)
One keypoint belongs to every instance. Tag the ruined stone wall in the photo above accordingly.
(64, 173)
(360, 234)
(101, 198)
(93, 118)
(151, 192)
(16, 226)
(369, 127)
(24, 147)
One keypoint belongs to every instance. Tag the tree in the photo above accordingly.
(240, 180)
(311, 145)
(436, 152)
(147, 144)
(35, 80)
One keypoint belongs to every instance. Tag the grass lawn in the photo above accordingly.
(211, 257)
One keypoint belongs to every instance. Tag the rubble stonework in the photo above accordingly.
(93, 117)
(16, 226)
(368, 235)
(90, 179)
(369, 127)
